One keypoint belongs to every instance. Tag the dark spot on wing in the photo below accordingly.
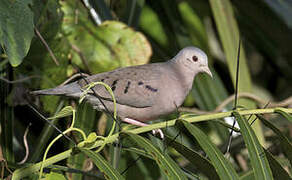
(114, 82)
(113, 86)
(127, 87)
(140, 83)
(102, 80)
(151, 88)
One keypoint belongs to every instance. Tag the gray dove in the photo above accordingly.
(144, 92)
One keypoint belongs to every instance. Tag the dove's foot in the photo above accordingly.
(138, 123)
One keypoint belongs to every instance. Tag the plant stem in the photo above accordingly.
(23, 172)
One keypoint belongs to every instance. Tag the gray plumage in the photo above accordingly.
(142, 92)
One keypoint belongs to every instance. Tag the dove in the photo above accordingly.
(144, 92)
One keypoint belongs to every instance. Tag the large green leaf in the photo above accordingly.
(258, 158)
(16, 29)
(167, 165)
(105, 47)
(223, 167)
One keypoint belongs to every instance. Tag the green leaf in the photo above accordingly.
(139, 151)
(7, 123)
(258, 159)
(108, 171)
(285, 142)
(66, 111)
(55, 176)
(223, 167)
(105, 47)
(87, 143)
(194, 25)
(200, 162)
(16, 29)
(284, 114)
(167, 165)
(278, 171)
(150, 23)
(248, 176)
(271, 37)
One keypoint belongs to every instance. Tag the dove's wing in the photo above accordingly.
(132, 86)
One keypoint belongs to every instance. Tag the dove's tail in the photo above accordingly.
(71, 89)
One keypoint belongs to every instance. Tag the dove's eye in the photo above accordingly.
(195, 58)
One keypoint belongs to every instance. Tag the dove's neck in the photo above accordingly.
(185, 74)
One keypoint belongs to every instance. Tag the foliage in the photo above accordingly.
(96, 36)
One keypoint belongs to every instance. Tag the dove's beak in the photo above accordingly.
(207, 70)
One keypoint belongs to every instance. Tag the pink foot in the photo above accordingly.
(138, 123)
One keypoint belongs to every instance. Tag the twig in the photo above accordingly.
(50, 123)
(73, 77)
(237, 76)
(284, 103)
(82, 57)
(47, 46)
(25, 145)
(235, 97)
(19, 80)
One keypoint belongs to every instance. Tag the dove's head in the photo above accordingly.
(193, 59)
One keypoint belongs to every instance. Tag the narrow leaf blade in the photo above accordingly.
(278, 171)
(223, 167)
(103, 165)
(258, 159)
(168, 165)
(200, 162)
(284, 141)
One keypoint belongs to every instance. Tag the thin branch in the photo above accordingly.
(237, 76)
(50, 123)
(261, 102)
(47, 46)
(82, 57)
(19, 80)
(74, 77)
(25, 145)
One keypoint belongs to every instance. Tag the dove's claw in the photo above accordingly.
(155, 131)
(138, 123)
